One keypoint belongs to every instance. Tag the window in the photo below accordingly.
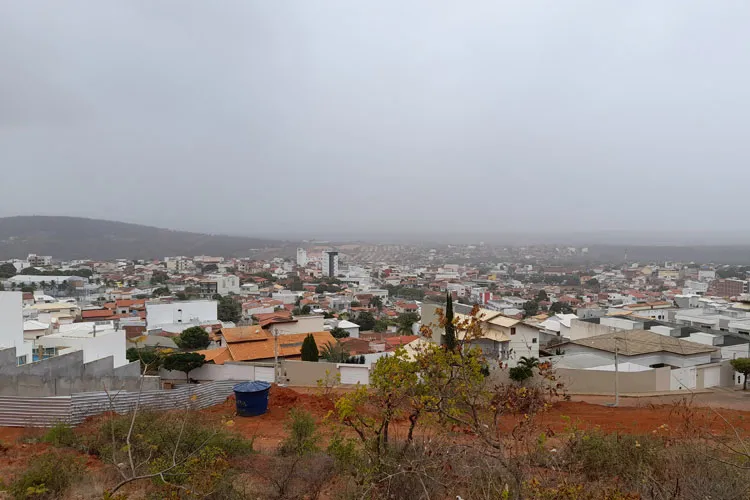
(22, 360)
(533, 341)
(513, 330)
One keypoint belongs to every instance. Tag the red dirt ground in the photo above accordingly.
(268, 430)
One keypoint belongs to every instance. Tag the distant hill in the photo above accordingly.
(80, 238)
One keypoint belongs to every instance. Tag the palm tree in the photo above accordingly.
(335, 353)
(529, 363)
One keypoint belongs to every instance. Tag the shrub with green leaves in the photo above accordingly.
(61, 435)
(47, 476)
(303, 435)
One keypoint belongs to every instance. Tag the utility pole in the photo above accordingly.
(617, 388)
(275, 355)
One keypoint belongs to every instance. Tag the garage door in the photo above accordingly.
(264, 373)
(357, 374)
(711, 377)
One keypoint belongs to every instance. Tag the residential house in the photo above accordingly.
(253, 343)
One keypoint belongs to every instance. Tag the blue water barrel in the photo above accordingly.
(251, 398)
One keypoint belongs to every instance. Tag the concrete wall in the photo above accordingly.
(305, 373)
(227, 371)
(603, 382)
(67, 374)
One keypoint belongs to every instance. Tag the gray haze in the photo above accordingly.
(320, 118)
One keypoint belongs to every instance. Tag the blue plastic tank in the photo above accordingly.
(251, 398)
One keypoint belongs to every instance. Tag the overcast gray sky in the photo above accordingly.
(260, 117)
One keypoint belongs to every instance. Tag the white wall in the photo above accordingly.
(112, 343)
(227, 371)
(524, 343)
(180, 312)
(11, 324)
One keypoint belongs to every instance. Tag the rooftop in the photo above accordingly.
(637, 342)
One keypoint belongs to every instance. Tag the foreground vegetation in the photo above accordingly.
(433, 424)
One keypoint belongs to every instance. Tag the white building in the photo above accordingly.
(189, 311)
(95, 341)
(38, 260)
(221, 284)
(11, 326)
(350, 327)
(330, 263)
(179, 264)
(301, 257)
(706, 275)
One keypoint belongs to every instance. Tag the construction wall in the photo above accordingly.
(67, 374)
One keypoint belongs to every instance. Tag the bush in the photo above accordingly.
(156, 433)
(47, 476)
(61, 434)
(520, 373)
(600, 456)
(303, 436)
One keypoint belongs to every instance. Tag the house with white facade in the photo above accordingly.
(159, 314)
(95, 341)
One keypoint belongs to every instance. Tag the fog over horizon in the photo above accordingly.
(334, 118)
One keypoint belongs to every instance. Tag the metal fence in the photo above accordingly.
(46, 412)
(33, 412)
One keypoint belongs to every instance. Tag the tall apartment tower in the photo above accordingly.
(301, 257)
(330, 264)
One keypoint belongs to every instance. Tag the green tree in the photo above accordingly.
(184, 362)
(209, 268)
(7, 270)
(309, 349)
(542, 296)
(381, 325)
(159, 277)
(229, 309)
(194, 337)
(405, 321)
(161, 291)
(560, 308)
(377, 303)
(335, 353)
(531, 308)
(149, 357)
(450, 329)
(296, 284)
(339, 333)
(524, 369)
(366, 321)
(742, 365)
